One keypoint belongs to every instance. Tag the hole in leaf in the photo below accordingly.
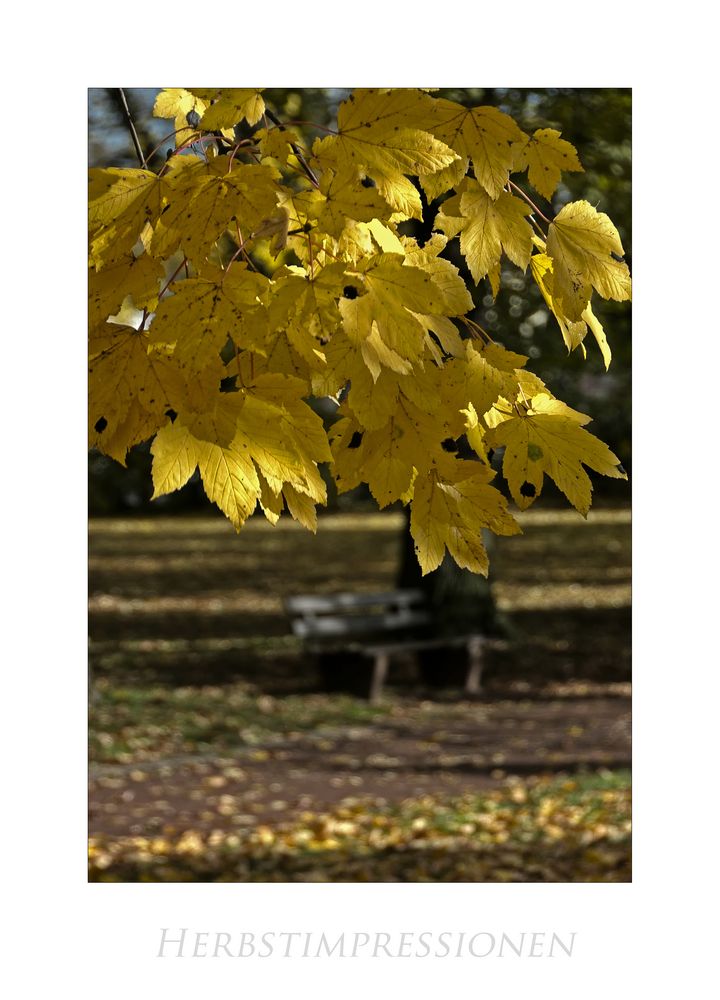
(528, 490)
(172, 414)
(229, 384)
(101, 425)
(356, 440)
(367, 182)
(350, 292)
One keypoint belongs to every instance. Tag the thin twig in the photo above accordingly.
(475, 329)
(530, 203)
(310, 253)
(537, 225)
(296, 150)
(131, 126)
(178, 269)
(321, 128)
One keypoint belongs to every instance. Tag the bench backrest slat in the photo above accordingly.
(335, 626)
(319, 604)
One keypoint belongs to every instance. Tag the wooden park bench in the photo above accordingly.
(374, 627)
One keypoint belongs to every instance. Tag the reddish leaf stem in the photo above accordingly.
(183, 263)
(528, 200)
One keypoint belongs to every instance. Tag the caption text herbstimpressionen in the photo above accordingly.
(182, 942)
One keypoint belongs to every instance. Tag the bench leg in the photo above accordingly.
(474, 675)
(380, 669)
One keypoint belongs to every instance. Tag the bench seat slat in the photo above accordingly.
(372, 649)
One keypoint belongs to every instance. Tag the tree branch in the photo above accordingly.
(131, 126)
(301, 159)
(532, 204)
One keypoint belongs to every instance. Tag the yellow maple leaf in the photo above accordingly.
(212, 197)
(174, 458)
(201, 314)
(382, 131)
(277, 143)
(398, 285)
(271, 503)
(443, 180)
(501, 358)
(386, 457)
(111, 190)
(548, 439)
(474, 379)
(545, 156)
(446, 333)
(229, 479)
(344, 199)
(455, 297)
(388, 463)
(177, 103)
(355, 242)
(475, 433)
(233, 104)
(407, 151)
(492, 226)
(362, 332)
(585, 249)
(302, 508)
(217, 422)
(382, 110)
(346, 437)
(401, 194)
(573, 333)
(397, 291)
(121, 204)
(123, 367)
(278, 442)
(284, 437)
(135, 426)
(376, 354)
(599, 334)
(139, 277)
(228, 474)
(387, 240)
(393, 456)
(373, 401)
(484, 134)
(305, 307)
(278, 355)
(447, 514)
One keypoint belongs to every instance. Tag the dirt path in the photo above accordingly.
(395, 759)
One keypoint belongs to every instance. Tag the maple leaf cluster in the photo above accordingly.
(196, 345)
